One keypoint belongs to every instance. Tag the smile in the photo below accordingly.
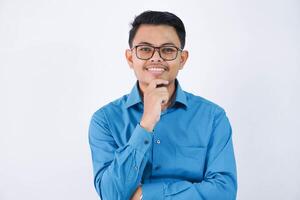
(156, 69)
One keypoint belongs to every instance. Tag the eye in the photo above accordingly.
(168, 50)
(145, 49)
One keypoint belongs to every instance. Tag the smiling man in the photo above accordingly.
(160, 142)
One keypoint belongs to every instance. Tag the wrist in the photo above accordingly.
(148, 126)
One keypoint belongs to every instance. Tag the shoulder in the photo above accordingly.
(206, 108)
(114, 107)
(204, 104)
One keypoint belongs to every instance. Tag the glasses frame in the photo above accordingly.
(156, 49)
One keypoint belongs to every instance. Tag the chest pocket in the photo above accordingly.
(190, 161)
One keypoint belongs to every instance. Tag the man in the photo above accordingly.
(160, 142)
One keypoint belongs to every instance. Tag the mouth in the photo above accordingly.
(156, 70)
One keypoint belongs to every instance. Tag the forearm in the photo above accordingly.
(123, 175)
(222, 186)
(117, 172)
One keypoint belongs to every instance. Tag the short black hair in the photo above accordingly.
(158, 18)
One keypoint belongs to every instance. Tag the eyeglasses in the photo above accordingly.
(167, 53)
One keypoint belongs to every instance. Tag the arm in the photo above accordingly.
(219, 180)
(117, 170)
(137, 194)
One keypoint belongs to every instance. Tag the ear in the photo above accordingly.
(183, 58)
(128, 55)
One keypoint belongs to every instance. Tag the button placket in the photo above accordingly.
(156, 149)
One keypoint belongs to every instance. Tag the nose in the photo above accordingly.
(156, 57)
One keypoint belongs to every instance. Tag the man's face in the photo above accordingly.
(156, 67)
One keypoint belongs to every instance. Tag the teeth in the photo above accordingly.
(155, 69)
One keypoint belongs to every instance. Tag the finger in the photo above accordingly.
(153, 84)
(164, 98)
(161, 89)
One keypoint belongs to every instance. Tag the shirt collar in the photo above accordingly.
(134, 96)
(180, 95)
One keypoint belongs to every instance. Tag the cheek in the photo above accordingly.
(174, 65)
(138, 64)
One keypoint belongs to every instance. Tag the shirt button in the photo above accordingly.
(158, 141)
(136, 168)
(146, 142)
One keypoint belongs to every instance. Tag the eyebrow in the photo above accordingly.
(164, 44)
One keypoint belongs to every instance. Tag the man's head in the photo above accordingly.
(156, 42)
(158, 18)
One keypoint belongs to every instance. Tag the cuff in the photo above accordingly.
(141, 139)
(153, 191)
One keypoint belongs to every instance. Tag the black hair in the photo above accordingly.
(158, 18)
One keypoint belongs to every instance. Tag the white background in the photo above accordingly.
(60, 60)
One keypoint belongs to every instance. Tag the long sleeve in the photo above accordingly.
(117, 170)
(219, 182)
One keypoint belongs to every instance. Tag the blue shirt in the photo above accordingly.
(189, 155)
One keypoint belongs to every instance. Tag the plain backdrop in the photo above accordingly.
(61, 60)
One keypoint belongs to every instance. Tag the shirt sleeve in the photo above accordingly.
(117, 170)
(220, 180)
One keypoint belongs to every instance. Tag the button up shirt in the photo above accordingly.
(189, 155)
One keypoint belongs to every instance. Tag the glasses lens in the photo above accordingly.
(168, 53)
(144, 52)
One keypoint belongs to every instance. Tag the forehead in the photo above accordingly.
(156, 35)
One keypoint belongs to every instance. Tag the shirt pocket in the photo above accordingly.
(190, 161)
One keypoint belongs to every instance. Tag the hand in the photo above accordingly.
(137, 194)
(154, 98)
